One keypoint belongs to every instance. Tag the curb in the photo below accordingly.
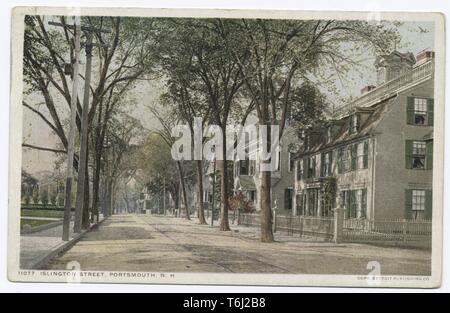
(61, 248)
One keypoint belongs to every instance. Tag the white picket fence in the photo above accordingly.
(412, 233)
(295, 225)
(401, 231)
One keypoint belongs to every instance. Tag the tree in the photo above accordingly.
(44, 197)
(158, 167)
(120, 60)
(219, 80)
(185, 99)
(282, 51)
(119, 150)
(35, 195)
(307, 106)
(53, 198)
(168, 120)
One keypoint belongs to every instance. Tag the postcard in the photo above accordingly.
(226, 147)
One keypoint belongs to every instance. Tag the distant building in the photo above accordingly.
(377, 150)
(247, 176)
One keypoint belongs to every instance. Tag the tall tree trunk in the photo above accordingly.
(183, 190)
(85, 216)
(222, 165)
(266, 210)
(201, 209)
(176, 199)
(96, 187)
(108, 209)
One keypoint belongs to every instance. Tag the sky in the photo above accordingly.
(416, 37)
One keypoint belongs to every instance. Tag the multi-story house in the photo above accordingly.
(247, 176)
(375, 157)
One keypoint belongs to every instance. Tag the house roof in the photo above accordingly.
(373, 115)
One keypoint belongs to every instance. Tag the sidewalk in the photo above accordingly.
(36, 249)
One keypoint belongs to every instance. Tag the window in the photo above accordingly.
(311, 167)
(418, 200)
(419, 154)
(362, 155)
(243, 167)
(288, 199)
(418, 204)
(326, 164)
(355, 203)
(419, 111)
(291, 162)
(419, 150)
(344, 160)
(354, 123)
(251, 194)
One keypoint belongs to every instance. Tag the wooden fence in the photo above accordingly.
(409, 233)
(295, 225)
(394, 231)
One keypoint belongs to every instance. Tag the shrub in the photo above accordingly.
(35, 196)
(53, 198)
(44, 197)
(27, 199)
(60, 199)
(239, 201)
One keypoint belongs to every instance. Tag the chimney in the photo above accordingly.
(367, 89)
(424, 56)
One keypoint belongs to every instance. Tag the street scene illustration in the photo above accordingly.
(227, 145)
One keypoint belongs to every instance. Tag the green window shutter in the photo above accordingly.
(430, 112)
(428, 204)
(408, 153)
(366, 154)
(348, 203)
(308, 162)
(429, 157)
(364, 203)
(353, 203)
(353, 152)
(410, 110)
(408, 204)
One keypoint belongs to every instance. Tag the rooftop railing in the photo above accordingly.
(407, 80)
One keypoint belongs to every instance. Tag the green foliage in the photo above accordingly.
(41, 213)
(27, 199)
(44, 197)
(307, 106)
(53, 198)
(35, 196)
(238, 201)
(60, 199)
